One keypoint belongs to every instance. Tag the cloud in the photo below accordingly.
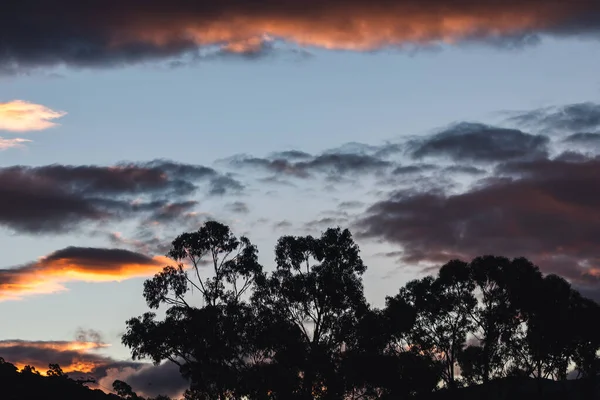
(72, 356)
(112, 33)
(482, 143)
(11, 143)
(585, 138)
(547, 210)
(81, 358)
(577, 117)
(464, 169)
(238, 207)
(334, 165)
(23, 116)
(413, 169)
(291, 155)
(50, 273)
(58, 198)
(149, 380)
(173, 211)
(344, 205)
(89, 335)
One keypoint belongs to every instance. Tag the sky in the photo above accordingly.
(431, 129)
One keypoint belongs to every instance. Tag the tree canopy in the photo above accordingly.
(305, 330)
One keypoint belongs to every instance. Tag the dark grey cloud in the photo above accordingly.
(464, 169)
(291, 155)
(110, 33)
(413, 169)
(480, 143)
(238, 207)
(163, 379)
(572, 156)
(344, 205)
(278, 166)
(224, 184)
(97, 258)
(579, 117)
(334, 165)
(585, 138)
(144, 240)
(285, 224)
(173, 212)
(58, 198)
(547, 210)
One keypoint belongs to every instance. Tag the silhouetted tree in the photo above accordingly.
(443, 308)
(586, 335)
(305, 331)
(209, 343)
(29, 369)
(493, 318)
(316, 290)
(124, 390)
(54, 370)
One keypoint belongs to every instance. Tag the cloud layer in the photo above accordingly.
(545, 209)
(23, 116)
(59, 198)
(108, 33)
(462, 191)
(50, 273)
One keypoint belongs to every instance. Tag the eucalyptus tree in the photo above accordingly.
(316, 294)
(210, 343)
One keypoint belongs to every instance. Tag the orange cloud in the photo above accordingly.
(10, 143)
(50, 273)
(349, 25)
(72, 356)
(133, 31)
(23, 116)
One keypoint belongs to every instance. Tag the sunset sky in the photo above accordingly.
(432, 129)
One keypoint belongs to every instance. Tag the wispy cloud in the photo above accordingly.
(50, 273)
(11, 143)
(576, 117)
(23, 116)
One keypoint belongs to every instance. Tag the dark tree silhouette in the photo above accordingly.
(54, 370)
(586, 336)
(27, 384)
(125, 391)
(316, 290)
(493, 320)
(305, 331)
(209, 343)
(443, 306)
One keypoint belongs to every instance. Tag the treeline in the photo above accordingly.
(305, 330)
(30, 384)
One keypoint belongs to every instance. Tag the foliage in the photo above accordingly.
(305, 330)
